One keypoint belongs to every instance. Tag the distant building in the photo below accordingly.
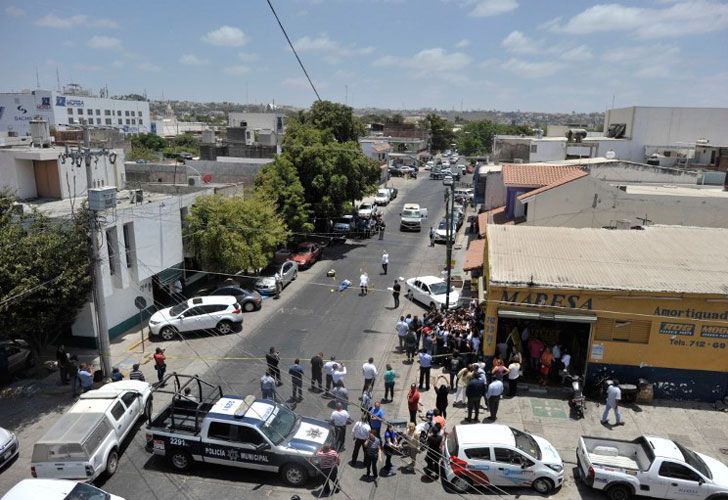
(172, 127)
(65, 109)
(397, 144)
(375, 149)
(260, 128)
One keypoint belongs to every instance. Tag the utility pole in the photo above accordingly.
(450, 235)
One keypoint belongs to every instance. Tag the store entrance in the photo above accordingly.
(531, 336)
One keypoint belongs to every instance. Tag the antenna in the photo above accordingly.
(247, 97)
(58, 79)
(37, 78)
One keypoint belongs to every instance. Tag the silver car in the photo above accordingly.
(8, 446)
(18, 353)
(266, 284)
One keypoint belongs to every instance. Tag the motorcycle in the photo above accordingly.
(577, 401)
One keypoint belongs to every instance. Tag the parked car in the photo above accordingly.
(307, 254)
(650, 466)
(18, 353)
(56, 489)
(367, 210)
(9, 447)
(249, 300)
(431, 291)
(393, 192)
(266, 284)
(485, 454)
(282, 255)
(221, 313)
(87, 440)
(447, 180)
(344, 225)
(441, 231)
(382, 197)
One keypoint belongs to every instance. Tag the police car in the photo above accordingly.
(248, 433)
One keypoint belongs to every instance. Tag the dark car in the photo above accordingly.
(250, 300)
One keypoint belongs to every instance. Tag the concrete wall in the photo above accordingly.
(548, 150)
(495, 190)
(220, 171)
(17, 175)
(590, 202)
(629, 172)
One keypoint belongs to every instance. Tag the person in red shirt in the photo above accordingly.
(413, 403)
(160, 364)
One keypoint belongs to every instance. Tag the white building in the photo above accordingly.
(534, 149)
(172, 127)
(375, 149)
(62, 110)
(261, 128)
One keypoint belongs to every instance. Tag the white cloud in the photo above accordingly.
(683, 17)
(237, 70)
(332, 51)
(226, 36)
(641, 53)
(519, 43)
(192, 60)
(530, 69)
(54, 21)
(300, 82)
(488, 8)
(429, 59)
(462, 43)
(248, 57)
(13, 11)
(147, 66)
(104, 42)
(577, 54)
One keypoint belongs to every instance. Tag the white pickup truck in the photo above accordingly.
(410, 219)
(650, 466)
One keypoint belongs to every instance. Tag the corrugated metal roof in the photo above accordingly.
(535, 175)
(657, 259)
(474, 255)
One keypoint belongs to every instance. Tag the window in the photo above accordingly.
(108, 121)
(195, 311)
(140, 121)
(128, 398)
(98, 121)
(70, 111)
(80, 111)
(634, 331)
(133, 121)
(119, 120)
(111, 247)
(132, 114)
(128, 230)
(126, 113)
(478, 453)
(212, 308)
(220, 430)
(504, 455)
(249, 435)
(107, 112)
(89, 111)
(98, 112)
(534, 148)
(678, 471)
(71, 121)
(127, 121)
(118, 113)
(117, 411)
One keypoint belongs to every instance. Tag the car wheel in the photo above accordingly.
(294, 474)
(249, 307)
(112, 463)
(180, 460)
(168, 333)
(460, 484)
(224, 327)
(619, 492)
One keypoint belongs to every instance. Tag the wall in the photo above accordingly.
(679, 344)
(620, 115)
(495, 190)
(628, 172)
(220, 171)
(589, 202)
(548, 150)
(17, 175)
(19, 109)
(103, 173)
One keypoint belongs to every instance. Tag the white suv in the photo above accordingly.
(221, 313)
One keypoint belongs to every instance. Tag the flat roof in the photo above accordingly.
(672, 259)
(678, 190)
(64, 207)
(485, 434)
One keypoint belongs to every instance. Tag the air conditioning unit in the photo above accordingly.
(194, 180)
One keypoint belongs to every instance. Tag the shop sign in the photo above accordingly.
(691, 313)
(62, 100)
(597, 351)
(714, 332)
(684, 329)
(548, 299)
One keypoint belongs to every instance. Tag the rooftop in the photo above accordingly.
(678, 190)
(572, 176)
(530, 175)
(66, 207)
(673, 259)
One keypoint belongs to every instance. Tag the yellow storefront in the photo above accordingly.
(676, 340)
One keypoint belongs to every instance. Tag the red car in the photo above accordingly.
(306, 254)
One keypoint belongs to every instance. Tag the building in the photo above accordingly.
(537, 148)
(397, 144)
(260, 128)
(520, 179)
(625, 303)
(172, 127)
(224, 170)
(375, 149)
(69, 108)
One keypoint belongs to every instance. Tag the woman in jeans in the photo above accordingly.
(391, 446)
(389, 377)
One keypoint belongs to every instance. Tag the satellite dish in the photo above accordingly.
(610, 155)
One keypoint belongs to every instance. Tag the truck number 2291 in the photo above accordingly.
(177, 441)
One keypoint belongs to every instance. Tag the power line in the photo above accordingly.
(294, 50)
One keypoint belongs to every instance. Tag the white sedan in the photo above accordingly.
(431, 291)
(60, 489)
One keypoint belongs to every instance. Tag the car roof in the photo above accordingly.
(484, 434)
(428, 280)
(249, 409)
(306, 243)
(41, 488)
(211, 299)
(665, 448)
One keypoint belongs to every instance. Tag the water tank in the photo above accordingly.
(40, 132)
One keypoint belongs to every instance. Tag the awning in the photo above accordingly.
(572, 318)
(170, 275)
(474, 255)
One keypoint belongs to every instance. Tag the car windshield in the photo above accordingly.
(84, 491)
(304, 249)
(382, 192)
(438, 288)
(365, 206)
(178, 309)
(443, 225)
(526, 443)
(410, 213)
(694, 460)
(279, 425)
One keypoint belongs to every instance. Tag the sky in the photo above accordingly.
(528, 55)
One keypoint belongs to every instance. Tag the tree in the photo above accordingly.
(441, 134)
(232, 234)
(279, 183)
(337, 118)
(148, 141)
(45, 273)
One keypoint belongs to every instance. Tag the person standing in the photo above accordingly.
(85, 378)
(339, 419)
(425, 359)
(463, 378)
(273, 359)
(396, 288)
(341, 394)
(495, 390)
(136, 373)
(62, 358)
(73, 374)
(268, 386)
(329, 369)
(382, 226)
(329, 466)
(385, 262)
(391, 446)
(369, 371)
(360, 433)
(279, 284)
(371, 454)
(413, 403)
(474, 391)
(402, 327)
(432, 236)
(614, 395)
(364, 283)
(410, 345)
(432, 458)
(376, 417)
(442, 390)
(296, 372)
(317, 364)
(160, 364)
(547, 359)
(412, 439)
(514, 373)
(338, 374)
(389, 376)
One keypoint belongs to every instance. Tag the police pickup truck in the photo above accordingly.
(205, 426)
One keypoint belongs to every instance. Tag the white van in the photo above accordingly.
(85, 442)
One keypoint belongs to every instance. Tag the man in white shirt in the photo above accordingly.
(385, 261)
(338, 374)
(364, 283)
(329, 370)
(614, 395)
(370, 373)
(360, 433)
(495, 389)
(402, 328)
(514, 373)
(339, 419)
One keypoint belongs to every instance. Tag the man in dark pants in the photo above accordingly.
(371, 449)
(474, 391)
(425, 367)
(413, 403)
(495, 390)
(62, 357)
(329, 465)
(296, 372)
(272, 359)
(317, 364)
(396, 288)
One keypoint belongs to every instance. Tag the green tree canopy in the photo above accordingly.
(441, 134)
(279, 183)
(232, 234)
(477, 137)
(45, 273)
(337, 118)
(148, 141)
